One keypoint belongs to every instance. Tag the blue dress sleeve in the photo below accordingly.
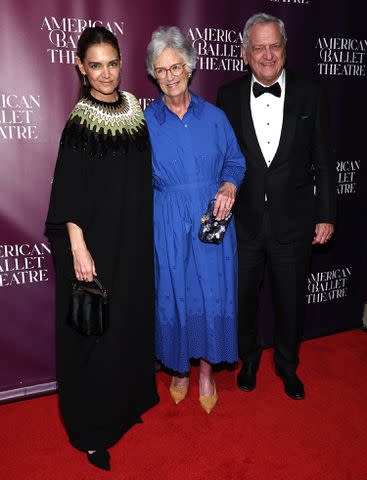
(234, 165)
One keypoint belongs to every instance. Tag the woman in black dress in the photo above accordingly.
(100, 224)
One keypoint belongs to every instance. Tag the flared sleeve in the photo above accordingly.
(70, 189)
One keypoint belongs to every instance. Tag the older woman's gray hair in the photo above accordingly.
(262, 18)
(169, 37)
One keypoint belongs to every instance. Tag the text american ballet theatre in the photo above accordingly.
(64, 33)
(23, 263)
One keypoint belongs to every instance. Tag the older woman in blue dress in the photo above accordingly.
(195, 158)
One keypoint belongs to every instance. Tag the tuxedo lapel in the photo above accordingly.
(248, 125)
(289, 120)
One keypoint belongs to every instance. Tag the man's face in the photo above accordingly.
(265, 52)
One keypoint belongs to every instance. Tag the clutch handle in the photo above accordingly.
(95, 280)
(100, 290)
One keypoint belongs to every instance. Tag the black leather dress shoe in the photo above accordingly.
(100, 459)
(246, 379)
(293, 386)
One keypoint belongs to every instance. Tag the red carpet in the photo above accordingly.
(249, 436)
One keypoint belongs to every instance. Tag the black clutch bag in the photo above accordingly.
(213, 230)
(88, 310)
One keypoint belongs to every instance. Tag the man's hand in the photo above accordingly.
(323, 233)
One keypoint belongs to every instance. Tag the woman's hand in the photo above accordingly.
(224, 200)
(84, 266)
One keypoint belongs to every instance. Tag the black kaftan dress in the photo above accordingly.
(102, 183)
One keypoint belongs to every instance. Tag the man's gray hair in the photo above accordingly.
(169, 37)
(262, 18)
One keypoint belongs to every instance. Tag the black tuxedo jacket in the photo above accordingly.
(300, 181)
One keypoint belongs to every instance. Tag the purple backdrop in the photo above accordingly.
(39, 87)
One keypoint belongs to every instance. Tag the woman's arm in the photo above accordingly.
(232, 173)
(84, 266)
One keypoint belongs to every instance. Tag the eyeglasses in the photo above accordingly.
(176, 70)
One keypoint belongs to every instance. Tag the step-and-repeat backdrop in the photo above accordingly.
(39, 87)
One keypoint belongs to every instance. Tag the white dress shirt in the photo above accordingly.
(267, 117)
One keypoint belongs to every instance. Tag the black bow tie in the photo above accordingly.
(273, 89)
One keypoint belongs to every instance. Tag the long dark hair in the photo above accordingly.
(93, 36)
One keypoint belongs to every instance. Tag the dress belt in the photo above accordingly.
(185, 186)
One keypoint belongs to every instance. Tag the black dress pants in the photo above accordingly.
(288, 266)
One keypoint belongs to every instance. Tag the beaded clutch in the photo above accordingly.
(213, 230)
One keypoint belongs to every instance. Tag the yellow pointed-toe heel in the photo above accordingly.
(178, 393)
(209, 402)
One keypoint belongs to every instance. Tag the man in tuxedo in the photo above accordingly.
(287, 201)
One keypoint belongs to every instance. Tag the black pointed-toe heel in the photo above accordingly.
(100, 459)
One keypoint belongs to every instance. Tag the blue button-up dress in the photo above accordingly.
(196, 283)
